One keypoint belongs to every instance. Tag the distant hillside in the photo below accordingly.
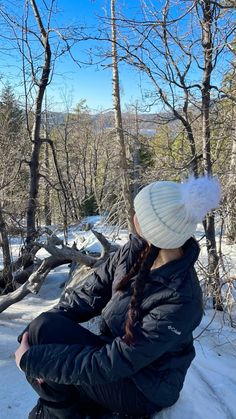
(149, 124)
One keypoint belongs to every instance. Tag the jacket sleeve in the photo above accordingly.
(75, 364)
(87, 300)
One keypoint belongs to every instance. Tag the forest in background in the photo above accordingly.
(56, 168)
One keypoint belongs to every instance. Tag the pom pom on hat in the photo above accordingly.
(168, 212)
(200, 196)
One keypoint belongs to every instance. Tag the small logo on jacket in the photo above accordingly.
(174, 330)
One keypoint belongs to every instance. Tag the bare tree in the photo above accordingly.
(131, 123)
(118, 125)
(5, 274)
(206, 19)
(47, 189)
(229, 126)
(41, 83)
(39, 46)
(231, 193)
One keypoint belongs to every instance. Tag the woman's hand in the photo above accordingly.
(24, 346)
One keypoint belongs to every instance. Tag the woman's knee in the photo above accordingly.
(40, 329)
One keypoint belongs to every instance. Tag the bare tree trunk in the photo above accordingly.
(62, 185)
(6, 283)
(35, 135)
(231, 193)
(47, 191)
(207, 44)
(118, 125)
(67, 184)
(136, 156)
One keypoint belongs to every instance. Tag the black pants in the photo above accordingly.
(121, 396)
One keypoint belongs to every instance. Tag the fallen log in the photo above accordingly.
(58, 256)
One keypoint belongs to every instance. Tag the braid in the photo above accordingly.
(141, 269)
(134, 268)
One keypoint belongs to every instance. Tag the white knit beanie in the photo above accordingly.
(168, 212)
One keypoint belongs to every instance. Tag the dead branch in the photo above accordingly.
(33, 284)
(67, 252)
(107, 246)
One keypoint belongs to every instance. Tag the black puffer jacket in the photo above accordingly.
(171, 309)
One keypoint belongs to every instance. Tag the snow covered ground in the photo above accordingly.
(210, 386)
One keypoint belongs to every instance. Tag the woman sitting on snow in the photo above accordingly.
(150, 301)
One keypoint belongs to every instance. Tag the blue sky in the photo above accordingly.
(72, 83)
(92, 83)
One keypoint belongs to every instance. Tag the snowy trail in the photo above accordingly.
(210, 386)
(215, 392)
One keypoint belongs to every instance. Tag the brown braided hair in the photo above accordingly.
(140, 271)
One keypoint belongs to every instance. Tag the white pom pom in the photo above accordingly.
(200, 196)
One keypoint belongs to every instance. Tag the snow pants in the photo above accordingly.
(122, 396)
